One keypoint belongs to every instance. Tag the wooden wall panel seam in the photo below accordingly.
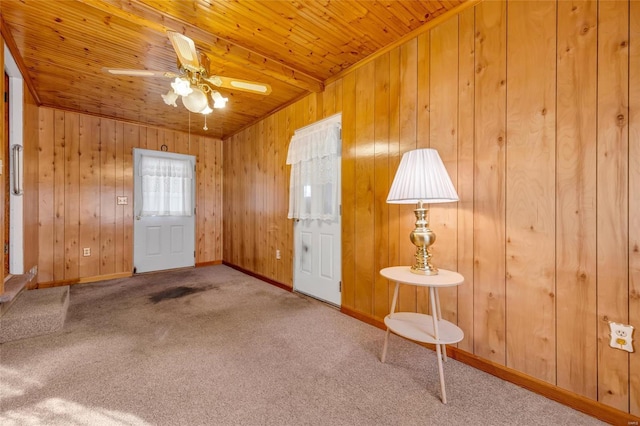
(465, 178)
(634, 198)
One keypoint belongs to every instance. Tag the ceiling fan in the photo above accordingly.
(193, 83)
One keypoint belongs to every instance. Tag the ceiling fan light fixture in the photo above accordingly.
(196, 101)
(206, 110)
(181, 86)
(170, 98)
(219, 101)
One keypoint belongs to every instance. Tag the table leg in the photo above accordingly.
(439, 312)
(441, 372)
(444, 349)
(395, 298)
(433, 296)
(393, 309)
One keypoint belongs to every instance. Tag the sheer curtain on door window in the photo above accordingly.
(166, 186)
(313, 156)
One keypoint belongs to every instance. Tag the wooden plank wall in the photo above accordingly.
(251, 170)
(30, 175)
(576, 162)
(535, 110)
(530, 188)
(634, 199)
(85, 162)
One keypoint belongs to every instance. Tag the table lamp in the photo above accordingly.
(422, 179)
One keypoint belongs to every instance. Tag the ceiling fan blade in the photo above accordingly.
(186, 50)
(139, 73)
(243, 85)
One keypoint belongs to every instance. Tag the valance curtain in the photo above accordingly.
(314, 154)
(166, 186)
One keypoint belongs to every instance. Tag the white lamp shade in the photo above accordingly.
(421, 176)
(219, 101)
(181, 87)
(196, 101)
(170, 98)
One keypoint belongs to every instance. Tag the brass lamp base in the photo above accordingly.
(423, 237)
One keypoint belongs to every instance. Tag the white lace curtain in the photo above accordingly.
(166, 186)
(314, 155)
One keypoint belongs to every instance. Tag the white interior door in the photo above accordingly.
(161, 242)
(314, 154)
(318, 256)
(318, 267)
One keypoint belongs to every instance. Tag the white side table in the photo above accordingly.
(420, 327)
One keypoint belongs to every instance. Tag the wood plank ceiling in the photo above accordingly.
(294, 46)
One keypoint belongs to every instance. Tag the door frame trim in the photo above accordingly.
(16, 137)
(337, 118)
(137, 200)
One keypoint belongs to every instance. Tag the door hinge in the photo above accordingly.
(6, 248)
(6, 97)
(340, 286)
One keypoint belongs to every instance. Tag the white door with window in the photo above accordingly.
(318, 260)
(314, 205)
(164, 211)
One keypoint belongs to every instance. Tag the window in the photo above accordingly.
(314, 156)
(166, 186)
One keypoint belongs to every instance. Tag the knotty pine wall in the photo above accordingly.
(31, 194)
(256, 192)
(85, 163)
(535, 110)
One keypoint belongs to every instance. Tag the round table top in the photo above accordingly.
(403, 275)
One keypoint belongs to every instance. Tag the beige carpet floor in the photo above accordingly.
(213, 346)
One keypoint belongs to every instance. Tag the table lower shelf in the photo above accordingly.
(419, 327)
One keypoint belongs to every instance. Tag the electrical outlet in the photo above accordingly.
(621, 336)
(86, 251)
(278, 257)
(122, 200)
